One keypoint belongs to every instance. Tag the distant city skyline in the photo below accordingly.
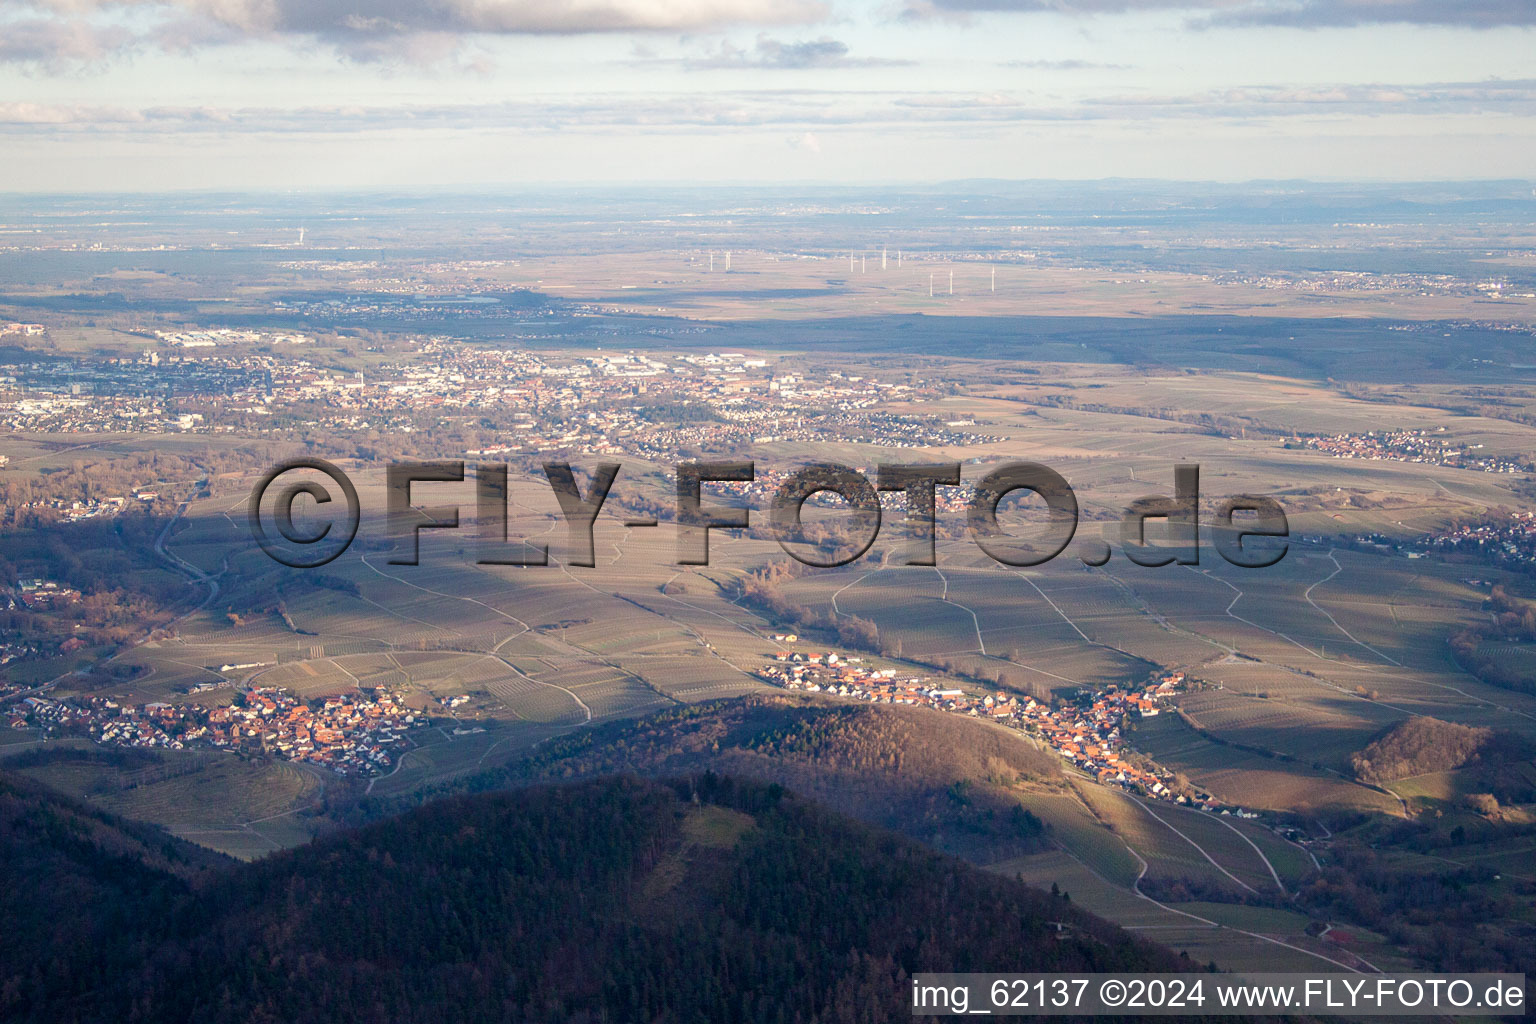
(193, 94)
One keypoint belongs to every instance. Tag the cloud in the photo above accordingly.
(14, 116)
(1474, 14)
(1064, 65)
(815, 53)
(59, 43)
(776, 55)
(344, 18)
(54, 32)
(923, 9)
(808, 142)
(800, 114)
(59, 34)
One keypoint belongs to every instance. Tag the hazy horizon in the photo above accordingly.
(185, 94)
(809, 184)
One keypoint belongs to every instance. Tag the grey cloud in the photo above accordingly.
(816, 53)
(920, 9)
(58, 43)
(343, 18)
(1064, 65)
(52, 32)
(55, 34)
(774, 54)
(794, 111)
(1475, 14)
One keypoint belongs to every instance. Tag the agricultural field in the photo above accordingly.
(1299, 665)
(1254, 780)
(217, 800)
(1108, 845)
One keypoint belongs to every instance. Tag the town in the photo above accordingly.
(634, 403)
(450, 400)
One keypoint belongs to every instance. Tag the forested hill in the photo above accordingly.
(703, 900)
(946, 780)
(82, 893)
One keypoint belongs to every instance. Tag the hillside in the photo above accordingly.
(82, 893)
(1416, 746)
(1494, 759)
(616, 899)
(945, 780)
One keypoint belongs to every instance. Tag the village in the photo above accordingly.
(1505, 539)
(1414, 446)
(352, 734)
(1509, 539)
(1088, 734)
(38, 595)
(759, 493)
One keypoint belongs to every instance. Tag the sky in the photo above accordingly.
(107, 95)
